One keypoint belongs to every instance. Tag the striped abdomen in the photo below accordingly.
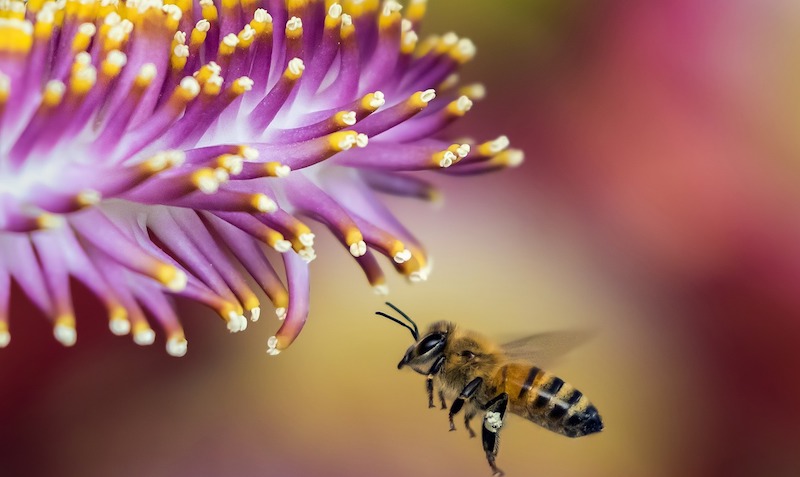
(548, 401)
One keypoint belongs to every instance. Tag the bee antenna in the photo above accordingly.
(414, 333)
(416, 330)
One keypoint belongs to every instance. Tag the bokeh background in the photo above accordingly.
(658, 207)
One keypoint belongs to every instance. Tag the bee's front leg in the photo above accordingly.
(469, 390)
(437, 366)
(492, 422)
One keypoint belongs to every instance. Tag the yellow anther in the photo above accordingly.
(53, 93)
(420, 99)
(427, 45)
(199, 33)
(276, 169)
(171, 277)
(294, 28)
(208, 10)
(416, 10)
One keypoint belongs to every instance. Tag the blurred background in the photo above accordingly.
(658, 206)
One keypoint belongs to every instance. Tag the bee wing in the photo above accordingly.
(545, 348)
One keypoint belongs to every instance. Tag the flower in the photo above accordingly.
(151, 150)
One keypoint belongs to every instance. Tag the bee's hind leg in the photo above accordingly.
(469, 390)
(492, 422)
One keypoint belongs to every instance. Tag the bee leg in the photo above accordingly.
(469, 390)
(468, 417)
(441, 398)
(492, 422)
(437, 366)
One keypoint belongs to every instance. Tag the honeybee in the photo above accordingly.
(479, 375)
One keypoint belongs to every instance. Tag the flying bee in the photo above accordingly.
(479, 375)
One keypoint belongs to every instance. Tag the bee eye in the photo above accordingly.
(429, 343)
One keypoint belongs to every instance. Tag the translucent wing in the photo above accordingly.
(545, 348)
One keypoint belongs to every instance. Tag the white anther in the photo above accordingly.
(144, 337)
(347, 20)
(117, 58)
(463, 103)
(378, 100)
(214, 67)
(112, 19)
(272, 346)
(178, 282)
(236, 322)
(515, 158)
(48, 16)
(180, 37)
(428, 95)
(335, 11)
(174, 157)
(447, 159)
(203, 25)
(181, 51)
(466, 48)
(308, 254)
(406, 25)
(296, 66)
(493, 421)
(294, 23)
(282, 171)
(307, 239)
(231, 40)
(265, 204)
(119, 327)
(221, 175)
(402, 256)
(250, 153)
(362, 140)
(190, 85)
(51, 221)
(463, 150)
(247, 32)
(381, 290)
(245, 83)
(147, 72)
(255, 314)
(450, 39)
(5, 339)
(173, 11)
(234, 164)
(282, 246)
(358, 249)
(208, 185)
(5, 83)
(498, 145)
(87, 29)
(83, 59)
(280, 312)
(177, 347)
(261, 16)
(126, 26)
(66, 335)
(349, 118)
(410, 38)
(89, 197)
(391, 6)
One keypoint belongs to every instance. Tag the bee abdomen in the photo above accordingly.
(558, 406)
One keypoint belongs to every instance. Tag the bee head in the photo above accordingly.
(426, 349)
(421, 355)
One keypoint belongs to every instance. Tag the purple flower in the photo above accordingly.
(151, 150)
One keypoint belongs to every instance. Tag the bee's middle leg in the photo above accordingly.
(469, 390)
(441, 398)
(468, 415)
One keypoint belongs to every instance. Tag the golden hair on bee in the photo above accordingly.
(481, 376)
